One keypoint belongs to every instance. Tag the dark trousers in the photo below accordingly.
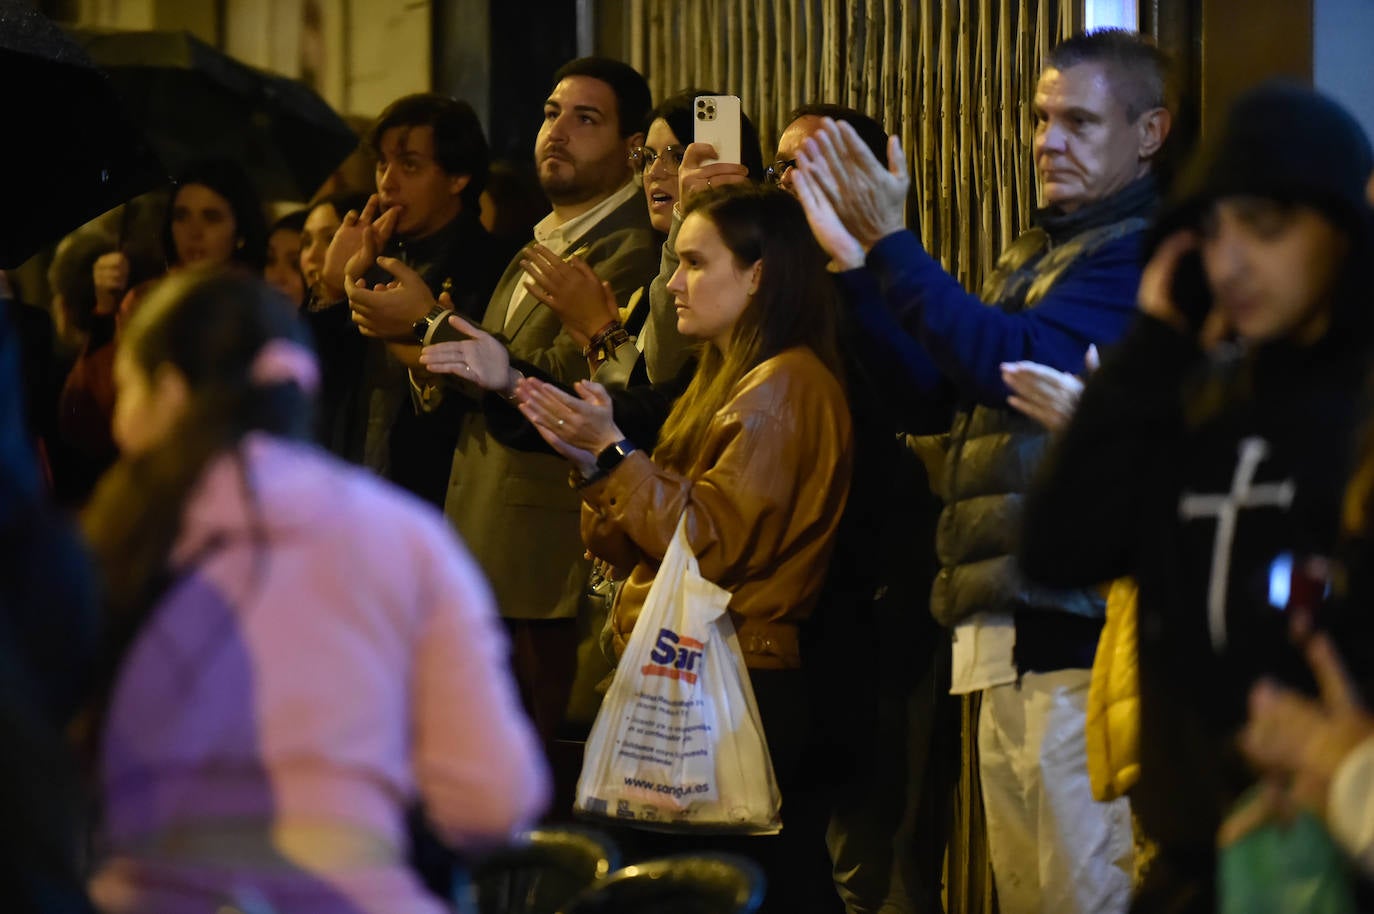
(544, 660)
(892, 810)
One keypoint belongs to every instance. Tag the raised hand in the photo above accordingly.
(868, 197)
(571, 290)
(388, 311)
(1046, 395)
(577, 427)
(700, 171)
(110, 273)
(480, 359)
(844, 249)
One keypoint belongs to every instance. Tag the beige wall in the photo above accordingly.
(364, 53)
(195, 16)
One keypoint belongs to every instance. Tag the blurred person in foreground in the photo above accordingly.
(214, 219)
(262, 723)
(47, 642)
(1207, 456)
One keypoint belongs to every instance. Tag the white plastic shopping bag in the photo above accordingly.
(677, 744)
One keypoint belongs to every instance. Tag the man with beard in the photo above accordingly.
(515, 509)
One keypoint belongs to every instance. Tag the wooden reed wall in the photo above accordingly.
(953, 78)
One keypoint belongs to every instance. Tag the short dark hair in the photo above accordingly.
(1138, 70)
(676, 110)
(228, 179)
(868, 129)
(632, 96)
(460, 147)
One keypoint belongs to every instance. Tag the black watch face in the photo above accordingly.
(608, 459)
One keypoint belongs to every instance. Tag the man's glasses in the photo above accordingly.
(642, 158)
(779, 168)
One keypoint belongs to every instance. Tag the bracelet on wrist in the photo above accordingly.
(606, 341)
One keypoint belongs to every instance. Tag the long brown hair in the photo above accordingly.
(209, 326)
(795, 305)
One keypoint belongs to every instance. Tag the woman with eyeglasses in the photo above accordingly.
(660, 158)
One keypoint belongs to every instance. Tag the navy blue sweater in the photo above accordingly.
(968, 339)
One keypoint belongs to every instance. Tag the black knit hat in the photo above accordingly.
(1285, 142)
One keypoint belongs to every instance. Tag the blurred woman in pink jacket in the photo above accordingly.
(297, 651)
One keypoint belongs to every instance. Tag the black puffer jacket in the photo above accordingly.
(992, 452)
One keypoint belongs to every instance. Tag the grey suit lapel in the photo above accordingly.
(527, 303)
(630, 214)
(494, 319)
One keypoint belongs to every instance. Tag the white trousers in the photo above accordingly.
(1054, 849)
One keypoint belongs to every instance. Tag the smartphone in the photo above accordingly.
(1190, 291)
(717, 121)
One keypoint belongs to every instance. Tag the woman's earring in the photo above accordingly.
(238, 245)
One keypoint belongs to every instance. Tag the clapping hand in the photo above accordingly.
(481, 358)
(844, 249)
(577, 427)
(868, 197)
(571, 290)
(1046, 395)
(387, 311)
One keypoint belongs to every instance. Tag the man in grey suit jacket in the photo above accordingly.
(515, 509)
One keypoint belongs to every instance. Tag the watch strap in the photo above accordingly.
(423, 327)
(610, 457)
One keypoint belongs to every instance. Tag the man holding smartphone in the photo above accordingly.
(1068, 283)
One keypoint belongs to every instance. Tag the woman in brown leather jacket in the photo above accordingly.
(757, 455)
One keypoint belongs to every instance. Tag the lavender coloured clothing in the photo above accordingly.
(329, 654)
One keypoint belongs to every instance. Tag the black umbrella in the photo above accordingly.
(194, 101)
(69, 151)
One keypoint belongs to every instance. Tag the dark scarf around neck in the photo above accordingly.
(1139, 198)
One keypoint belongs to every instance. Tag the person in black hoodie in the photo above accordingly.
(1207, 456)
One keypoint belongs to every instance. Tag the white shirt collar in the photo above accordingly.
(555, 236)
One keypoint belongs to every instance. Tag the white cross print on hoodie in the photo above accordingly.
(1226, 508)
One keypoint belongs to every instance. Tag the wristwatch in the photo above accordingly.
(610, 457)
(420, 329)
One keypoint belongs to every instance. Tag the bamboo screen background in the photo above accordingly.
(954, 78)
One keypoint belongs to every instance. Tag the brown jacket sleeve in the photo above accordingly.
(774, 468)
